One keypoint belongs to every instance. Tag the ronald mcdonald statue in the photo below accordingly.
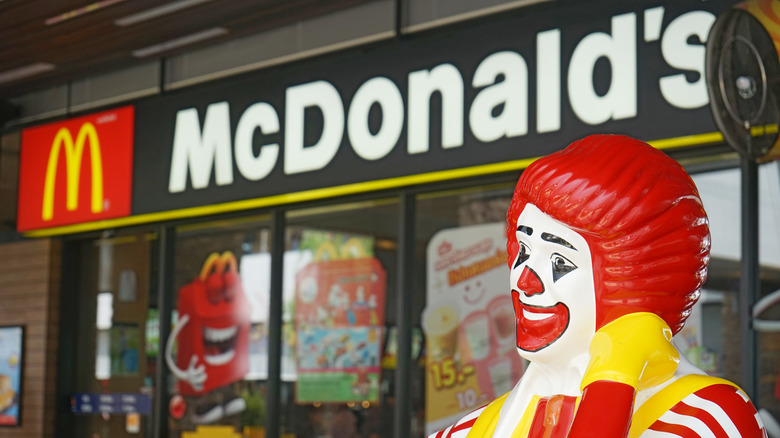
(608, 248)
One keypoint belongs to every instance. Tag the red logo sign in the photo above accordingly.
(77, 170)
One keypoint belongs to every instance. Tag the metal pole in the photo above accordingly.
(273, 396)
(167, 248)
(749, 280)
(403, 315)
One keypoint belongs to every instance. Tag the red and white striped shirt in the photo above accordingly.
(460, 429)
(715, 411)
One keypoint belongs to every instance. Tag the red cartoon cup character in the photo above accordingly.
(212, 329)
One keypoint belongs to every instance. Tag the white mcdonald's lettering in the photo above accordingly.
(73, 155)
(501, 106)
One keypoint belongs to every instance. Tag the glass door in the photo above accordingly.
(116, 345)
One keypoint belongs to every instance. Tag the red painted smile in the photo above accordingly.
(538, 327)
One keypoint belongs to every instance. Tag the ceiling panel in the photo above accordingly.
(82, 37)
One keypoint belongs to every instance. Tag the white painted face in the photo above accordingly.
(552, 289)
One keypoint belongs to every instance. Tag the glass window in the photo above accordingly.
(339, 289)
(116, 324)
(339, 316)
(217, 353)
(463, 304)
(711, 337)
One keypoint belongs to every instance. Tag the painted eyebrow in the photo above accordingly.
(525, 229)
(559, 240)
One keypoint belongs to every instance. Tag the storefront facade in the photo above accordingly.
(316, 248)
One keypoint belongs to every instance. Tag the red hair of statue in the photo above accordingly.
(640, 213)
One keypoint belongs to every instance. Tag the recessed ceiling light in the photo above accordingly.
(92, 7)
(23, 72)
(179, 42)
(158, 11)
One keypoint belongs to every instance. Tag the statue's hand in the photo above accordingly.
(634, 349)
(195, 374)
(630, 353)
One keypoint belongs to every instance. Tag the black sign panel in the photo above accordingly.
(519, 85)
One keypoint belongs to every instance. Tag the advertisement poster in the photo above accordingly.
(339, 318)
(469, 323)
(11, 341)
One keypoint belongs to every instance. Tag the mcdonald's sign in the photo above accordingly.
(77, 170)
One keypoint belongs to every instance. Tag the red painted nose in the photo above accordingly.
(529, 282)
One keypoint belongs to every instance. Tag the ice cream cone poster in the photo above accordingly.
(469, 323)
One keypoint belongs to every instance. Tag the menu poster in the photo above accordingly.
(339, 317)
(11, 351)
(339, 364)
(469, 323)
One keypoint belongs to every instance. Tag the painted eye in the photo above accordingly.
(561, 266)
(522, 255)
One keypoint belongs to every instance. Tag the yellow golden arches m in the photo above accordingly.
(73, 155)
